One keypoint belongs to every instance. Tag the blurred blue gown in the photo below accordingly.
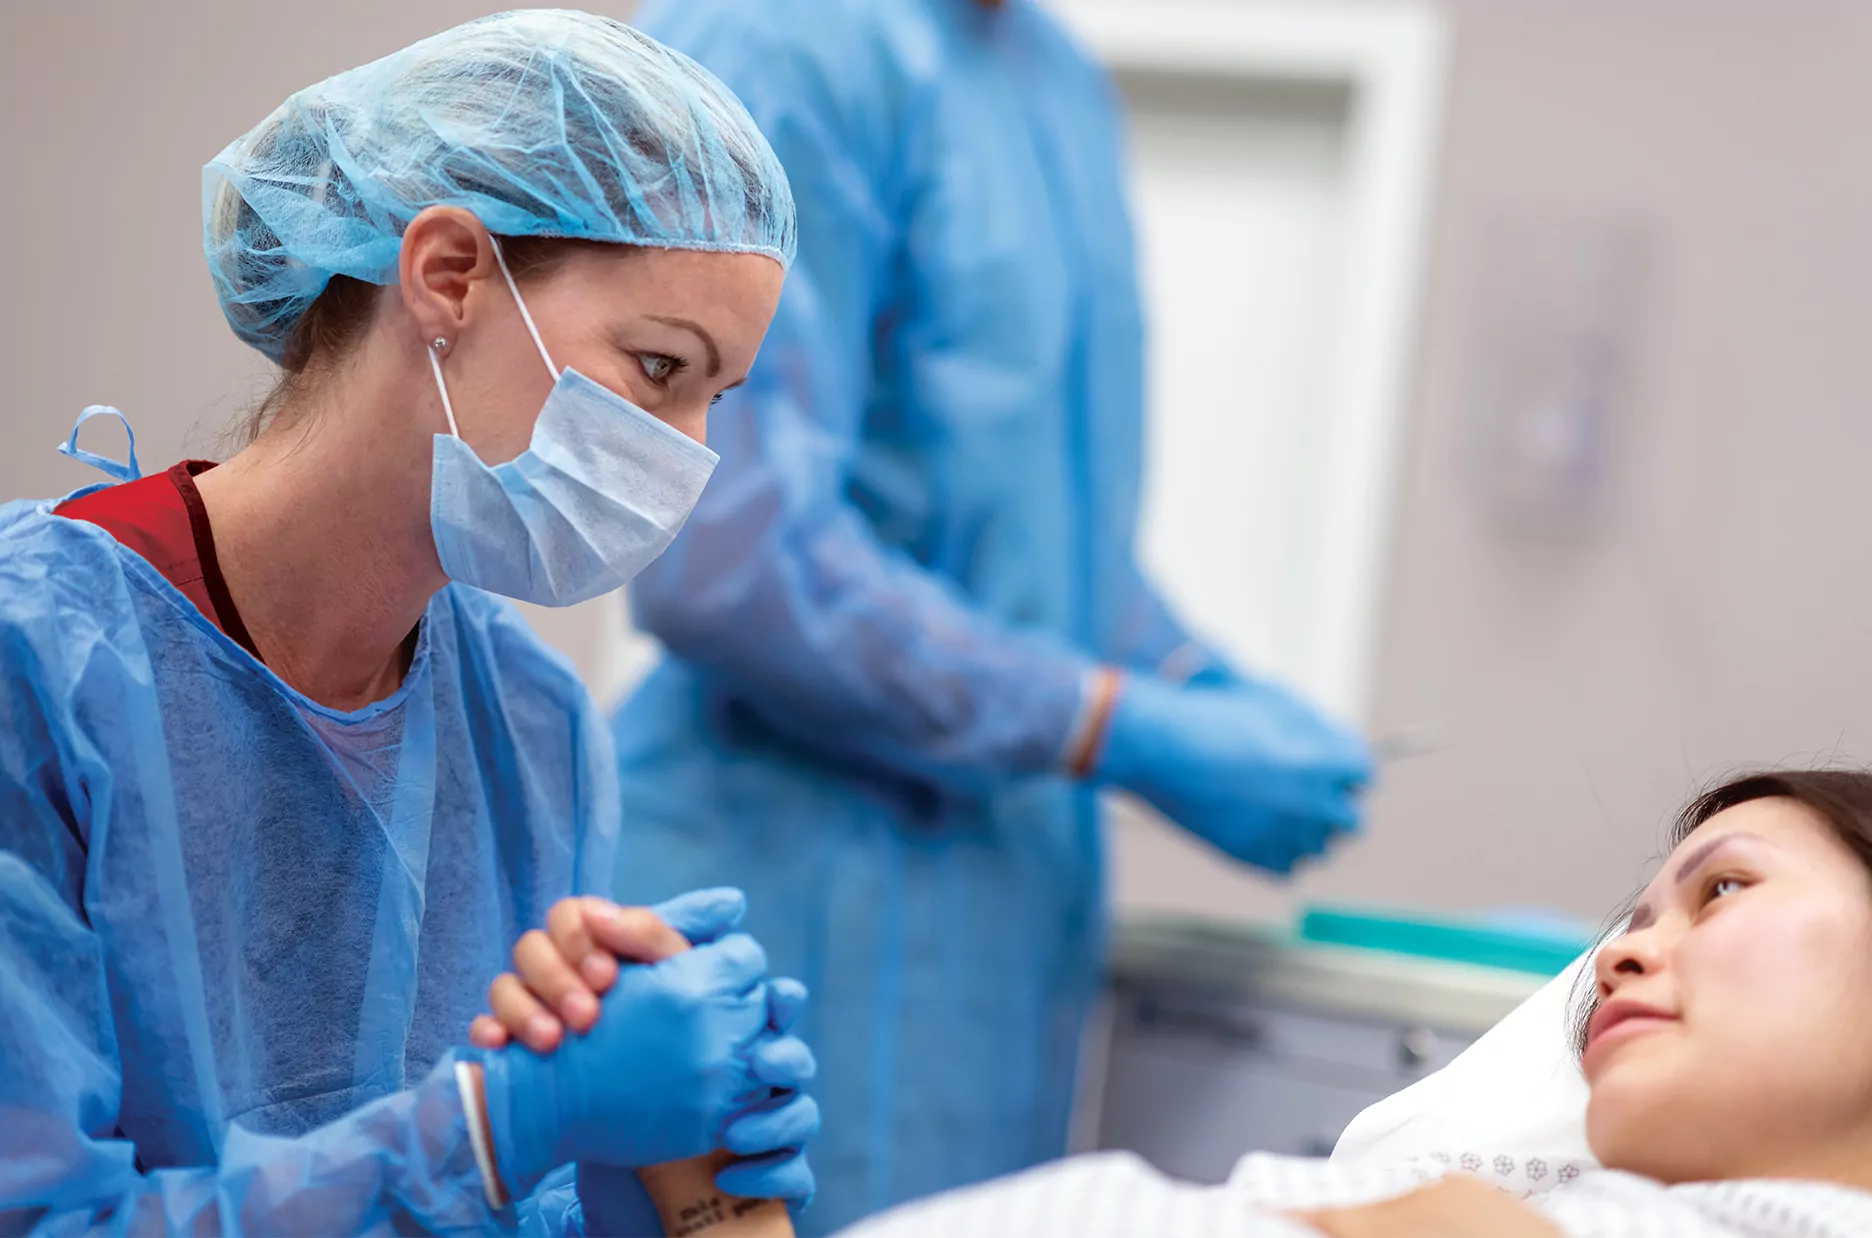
(918, 542)
(239, 931)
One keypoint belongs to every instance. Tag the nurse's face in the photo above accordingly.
(669, 330)
(1733, 1035)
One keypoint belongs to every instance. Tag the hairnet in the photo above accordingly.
(542, 122)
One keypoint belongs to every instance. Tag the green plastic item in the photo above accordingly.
(1545, 952)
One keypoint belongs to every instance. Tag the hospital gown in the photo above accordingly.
(240, 932)
(1116, 1195)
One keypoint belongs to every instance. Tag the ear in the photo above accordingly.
(447, 256)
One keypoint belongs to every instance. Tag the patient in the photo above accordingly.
(1729, 1035)
(1728, 1048)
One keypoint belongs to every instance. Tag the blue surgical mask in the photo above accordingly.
(598, 494)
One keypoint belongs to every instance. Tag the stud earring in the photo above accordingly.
(439, 346)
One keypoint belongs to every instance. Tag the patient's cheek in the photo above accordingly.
(1779, 984)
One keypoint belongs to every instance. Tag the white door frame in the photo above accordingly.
(1390, 58)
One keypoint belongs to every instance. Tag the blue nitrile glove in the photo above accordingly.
(614, 1204)
(702, 916)
(1196, 665)
(1252, 770)
(1215, 671)
(656, 1079)
(770, 1133)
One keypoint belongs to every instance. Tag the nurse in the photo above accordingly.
(909, 640)
(280, 781)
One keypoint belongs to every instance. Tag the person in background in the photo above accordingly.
(281, 781)
(908, 640)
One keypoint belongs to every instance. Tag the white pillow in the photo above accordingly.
(1517, 1091)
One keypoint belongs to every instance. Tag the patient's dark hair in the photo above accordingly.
(1842, 798)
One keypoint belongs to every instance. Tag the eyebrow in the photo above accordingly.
(1696, 859)
(708, 341)
(1686, 871)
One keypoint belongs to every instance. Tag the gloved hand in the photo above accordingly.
(1196, 665)
(678, 1048)
(1252, 770)
(769, 1133)
(1217, 674)
(703, 916)
(614, 1203)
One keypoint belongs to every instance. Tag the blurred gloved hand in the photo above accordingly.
(1250, 768)
(1216, 674)
(678, 1048)
(1196, 665)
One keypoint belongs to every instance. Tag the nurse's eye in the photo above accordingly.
(659, 368)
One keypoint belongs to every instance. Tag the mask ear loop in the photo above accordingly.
(552, 371)
(435, 363)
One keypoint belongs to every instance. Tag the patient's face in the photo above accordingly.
(1734, 1030)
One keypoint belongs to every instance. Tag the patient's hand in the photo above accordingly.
(564, 969)
(1454, 1207)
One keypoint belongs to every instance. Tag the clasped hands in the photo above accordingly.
(630, 1036)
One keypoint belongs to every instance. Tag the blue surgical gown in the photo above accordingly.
(917, 543)
(240, 932)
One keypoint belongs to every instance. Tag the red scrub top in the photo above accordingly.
(161, 517)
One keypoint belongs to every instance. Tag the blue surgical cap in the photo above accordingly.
(542, 122)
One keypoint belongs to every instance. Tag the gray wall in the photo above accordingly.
(1584, 685)
(109, 110)
(1725, 617)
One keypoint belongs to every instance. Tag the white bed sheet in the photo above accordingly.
(1117, 1195)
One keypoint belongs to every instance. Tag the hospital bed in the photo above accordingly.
(1219, 1039)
